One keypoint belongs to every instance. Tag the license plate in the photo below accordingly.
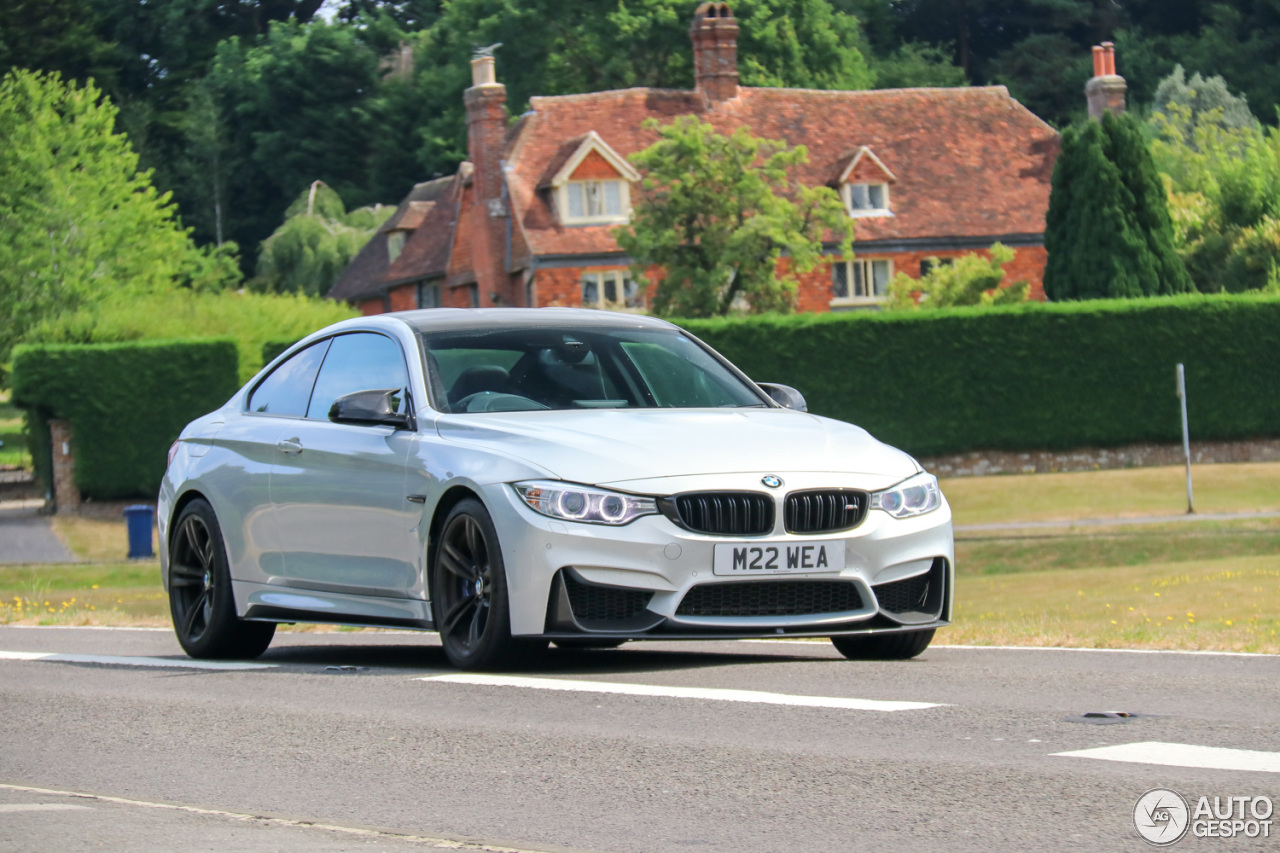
(778, 558)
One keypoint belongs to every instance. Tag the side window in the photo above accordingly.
(287, 389)
(361, 361)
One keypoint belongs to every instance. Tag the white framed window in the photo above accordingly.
(867, 199)
(395, 243)
(861, 280)
(611, 289)
(595, 202)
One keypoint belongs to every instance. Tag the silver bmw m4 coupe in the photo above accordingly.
(514, 477)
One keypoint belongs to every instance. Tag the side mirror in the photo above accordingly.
(371, 407)
(785, 396)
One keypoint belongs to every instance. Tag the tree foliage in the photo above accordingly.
(1223, 177)
(316, 242)
(717, 215)
(78, 221)
(1108, 230)
(970, 280)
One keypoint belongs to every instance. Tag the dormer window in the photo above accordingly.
(867, 199)
(597, 201)
(593, 186)
(864, 185)
(395, 243)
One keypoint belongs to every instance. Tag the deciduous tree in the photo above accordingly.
(78, 221)
(717, 215)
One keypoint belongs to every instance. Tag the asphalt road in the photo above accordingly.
(748, 746)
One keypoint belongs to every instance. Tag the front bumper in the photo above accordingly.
(651, 579)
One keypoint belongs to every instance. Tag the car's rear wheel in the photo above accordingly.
(200, 596)
(898, 646)
(469, 593)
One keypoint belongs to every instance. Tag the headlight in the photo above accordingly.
(571, 502)
(913, 496)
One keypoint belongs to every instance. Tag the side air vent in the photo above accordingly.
(723, 513)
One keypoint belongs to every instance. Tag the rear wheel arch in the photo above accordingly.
(178, 506)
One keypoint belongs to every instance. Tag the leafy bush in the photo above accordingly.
(970, 279)
(1027, 376)
(126, 403)
(251, 319)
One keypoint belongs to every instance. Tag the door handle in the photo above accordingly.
(289, 446)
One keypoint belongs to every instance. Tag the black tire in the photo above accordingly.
(898, 646)
(584, 643)
(200, 597)
(469, 593)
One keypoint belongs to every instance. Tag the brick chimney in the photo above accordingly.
(486, 103)
(715, 51)
(1105, 92)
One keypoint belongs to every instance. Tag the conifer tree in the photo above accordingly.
(1108, 231)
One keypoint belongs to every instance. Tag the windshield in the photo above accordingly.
(524, 369)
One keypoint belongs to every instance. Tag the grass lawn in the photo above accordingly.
(1244, 487)
(1211, 585)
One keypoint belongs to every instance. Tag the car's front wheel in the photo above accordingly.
(469, 592)
(898, 646)
(200, 597)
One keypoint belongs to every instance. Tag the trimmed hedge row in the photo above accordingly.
(271, 349)
(126, 402)
(1045, 376)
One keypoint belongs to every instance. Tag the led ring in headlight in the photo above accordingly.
(913, 496)
(572, 502)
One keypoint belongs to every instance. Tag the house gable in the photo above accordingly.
(866, 168)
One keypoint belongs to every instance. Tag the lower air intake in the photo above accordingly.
(604, 605)
(770, 598)
(904, 596)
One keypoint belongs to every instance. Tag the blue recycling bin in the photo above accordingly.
(139, 519)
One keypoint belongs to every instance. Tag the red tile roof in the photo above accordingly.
(969, 163)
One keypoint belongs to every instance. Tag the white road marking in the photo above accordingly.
(115, 660)
(443, 843)
(10, 808)
(715, 694)
(1183, 755)
(88, 628)
(1110, 651)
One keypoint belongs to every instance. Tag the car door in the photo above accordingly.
(338, 490)
(242, 483)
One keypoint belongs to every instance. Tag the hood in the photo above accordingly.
(613, 446)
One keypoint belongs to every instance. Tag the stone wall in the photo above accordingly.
(986, 462)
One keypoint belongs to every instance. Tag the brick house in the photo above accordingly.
(528, 220)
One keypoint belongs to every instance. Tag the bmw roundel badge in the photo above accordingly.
(771, 481)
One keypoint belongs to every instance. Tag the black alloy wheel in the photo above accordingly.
(469, 590)
(901, 645)
(200, 597)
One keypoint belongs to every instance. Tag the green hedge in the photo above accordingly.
(271, 349)
(126, 403)
(1038, 375)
